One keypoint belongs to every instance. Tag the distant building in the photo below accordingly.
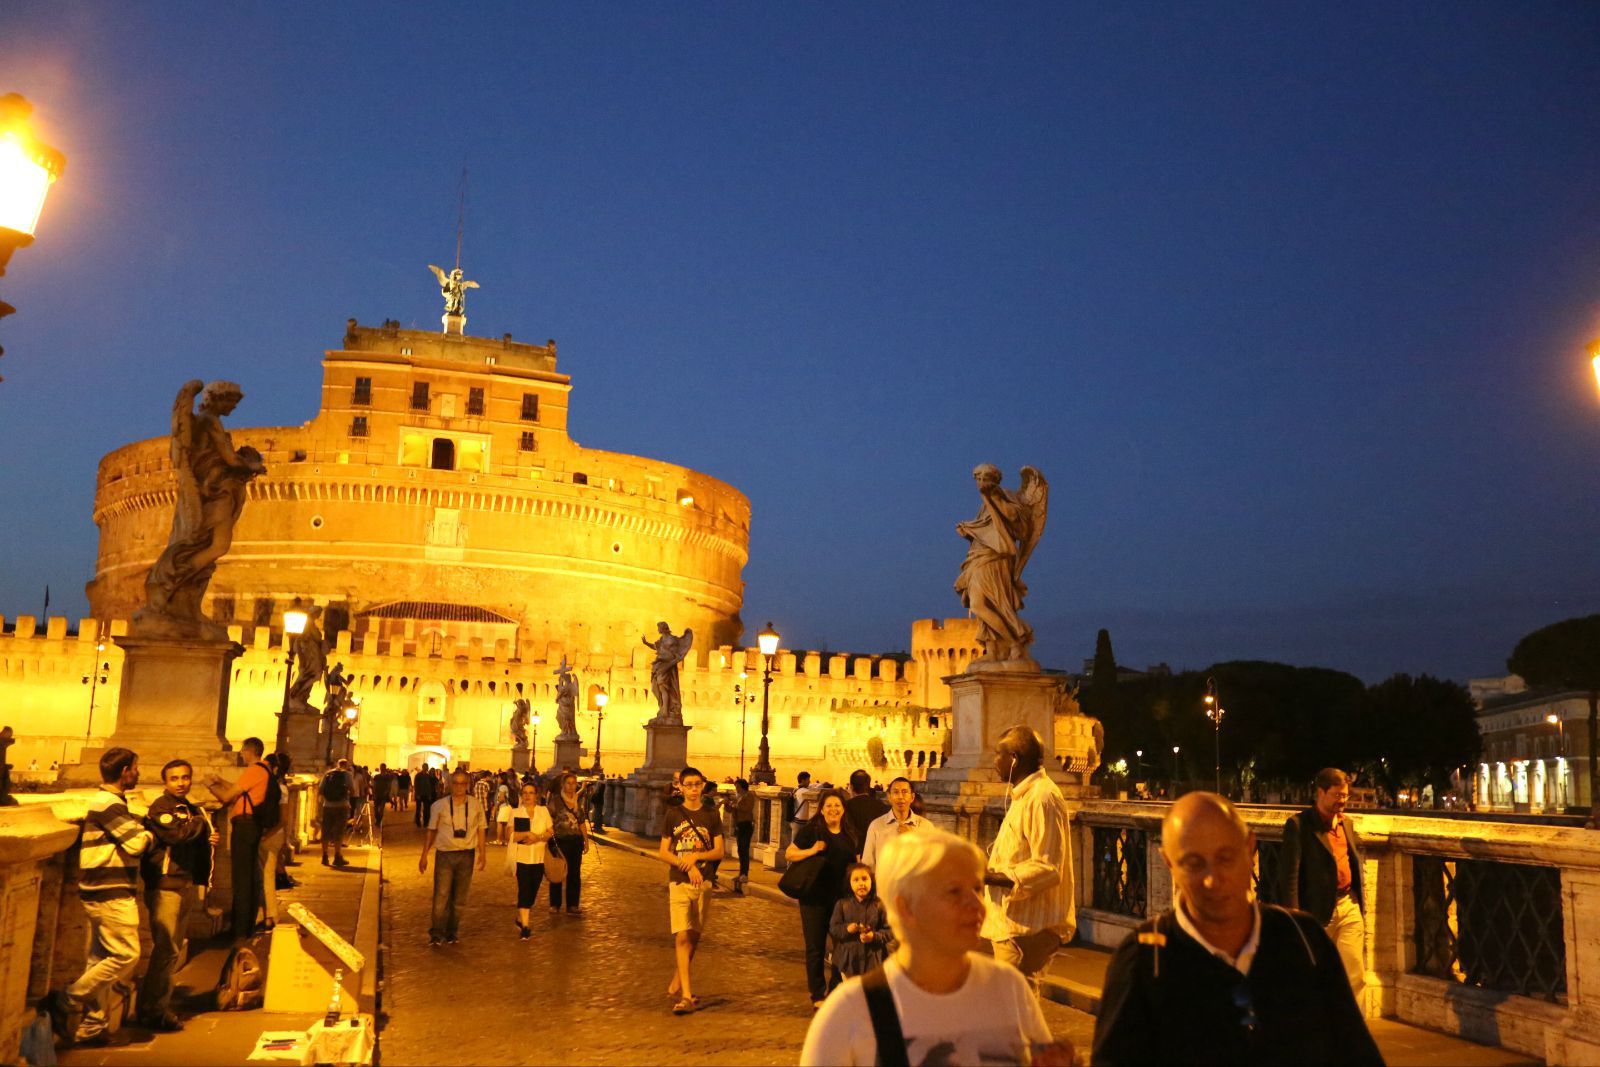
(1531, 763)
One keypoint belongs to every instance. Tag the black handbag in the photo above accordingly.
(799, 878)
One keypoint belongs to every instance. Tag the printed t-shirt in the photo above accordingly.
(992, 1018)
(252, 790)
(537, 822)
(691, 831)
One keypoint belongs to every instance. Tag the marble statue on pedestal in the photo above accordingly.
(566, 703)
(520, 715)
(311, 656)
(670, 651)
(1000, 540)
(211, 480)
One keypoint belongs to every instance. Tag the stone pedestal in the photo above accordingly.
(985, 703)
(306, 746)
(31, 837)
(519, 760)
(569, 754)
(666, 747)
(666, 750)
(173, 702)
(454, 324)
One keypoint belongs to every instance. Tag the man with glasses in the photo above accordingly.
(1321, 872)
(458, 832)
(1220, 978)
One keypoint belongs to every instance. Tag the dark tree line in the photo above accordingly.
(1281, 725)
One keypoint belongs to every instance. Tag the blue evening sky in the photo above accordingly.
(1291, 303)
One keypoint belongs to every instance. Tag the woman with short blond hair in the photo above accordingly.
(945, 996)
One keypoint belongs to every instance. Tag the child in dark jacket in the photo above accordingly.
(860, 927)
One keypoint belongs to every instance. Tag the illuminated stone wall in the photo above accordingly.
(828, 714)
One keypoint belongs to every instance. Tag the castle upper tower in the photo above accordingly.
(438, 482)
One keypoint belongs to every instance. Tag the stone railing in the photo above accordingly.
(43, 930)
(1480, 928)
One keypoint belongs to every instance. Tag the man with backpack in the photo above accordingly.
(335, 791)
(241, 799)
(173, 873)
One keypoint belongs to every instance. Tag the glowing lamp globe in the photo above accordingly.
(600, 700)
(768, 640)
(27, 170)
(294, 622)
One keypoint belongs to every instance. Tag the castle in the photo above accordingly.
(459, 545)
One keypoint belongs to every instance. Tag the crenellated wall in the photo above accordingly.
(828, 714)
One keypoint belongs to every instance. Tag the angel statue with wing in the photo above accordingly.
(454, 289)
(1000, 540)
(566, 702)
(211, 480)
(670, 652)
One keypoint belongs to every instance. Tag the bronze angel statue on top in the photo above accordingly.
(211, 480)
(453, 288)
(1000, 540)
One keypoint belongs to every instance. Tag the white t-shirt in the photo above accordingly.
(990, 1019)
(539, 823)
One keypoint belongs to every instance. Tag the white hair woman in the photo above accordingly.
(943, 995)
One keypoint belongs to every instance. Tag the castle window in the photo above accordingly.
(363, 392)
(526, 444)
(530, 407)
(419, 396)
(358, 426)
(444, 454)
(794, 722)
(222, 610)
(474, 401)
(263, 612)
(579, 478)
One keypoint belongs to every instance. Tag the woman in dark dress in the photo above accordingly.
(826, 835)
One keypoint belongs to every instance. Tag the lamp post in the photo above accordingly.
(345, 719)
(97, 676)
(763, 773)
(1561, 732)
(533, 749)
(27, 169)
(600, 700)
(1215, 712)
(294, 624)
(743, 700)
(1174, 772)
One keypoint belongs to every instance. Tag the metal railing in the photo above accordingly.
(1496, 926)
(1120, 869)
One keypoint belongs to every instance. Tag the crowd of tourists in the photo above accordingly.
(893, 911)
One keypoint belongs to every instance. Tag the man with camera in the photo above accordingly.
(457, 830)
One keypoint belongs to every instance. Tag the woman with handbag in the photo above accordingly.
(826, 844)
(571, 841)
(524, 830)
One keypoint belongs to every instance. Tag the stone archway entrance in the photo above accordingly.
(436, 756)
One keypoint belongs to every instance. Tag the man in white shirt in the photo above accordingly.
(805, 799)
(1028, 890)
(900, 819)
(457, 830)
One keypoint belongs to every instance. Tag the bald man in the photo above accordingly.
(1029, 912)
(1220, 978)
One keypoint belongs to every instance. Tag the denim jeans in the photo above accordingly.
(814, 919)
(113, 957)
(452, 877)
(743, 832)
(169, 922)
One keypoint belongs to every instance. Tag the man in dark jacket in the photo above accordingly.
(862, 807)
(173, 873)
(1219, 978)
(1320, 872)
(425, 787)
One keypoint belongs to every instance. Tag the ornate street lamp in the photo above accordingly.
(98, 675)
(1215, 712)
(294, 624)
(1174, 772)
(601, 699)
(27, 170)
(763, 773)
(533, 748)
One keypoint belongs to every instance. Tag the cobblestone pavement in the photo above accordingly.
(593, 990)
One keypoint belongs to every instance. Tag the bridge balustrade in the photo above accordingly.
(1477, 927)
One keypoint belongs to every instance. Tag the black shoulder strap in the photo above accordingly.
(885, 1020)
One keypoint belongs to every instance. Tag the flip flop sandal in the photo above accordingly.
(685, 1006)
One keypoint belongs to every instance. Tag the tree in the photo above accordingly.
(1104, 673)
(1566, 655)
(1423, 729)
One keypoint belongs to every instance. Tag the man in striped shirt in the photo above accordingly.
(1028, 887)
(112, 842)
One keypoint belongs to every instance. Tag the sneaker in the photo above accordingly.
(433, 941)
(452, 940)
(527, 932)
(341, 862)
(165, 1023)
